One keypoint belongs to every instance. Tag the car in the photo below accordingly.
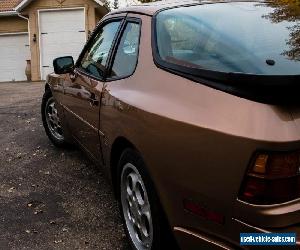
(191, 108)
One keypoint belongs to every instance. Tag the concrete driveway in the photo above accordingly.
(49, 198)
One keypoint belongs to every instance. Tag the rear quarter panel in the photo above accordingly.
(196, 141)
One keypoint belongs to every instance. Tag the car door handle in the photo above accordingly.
(93, 100)
(73, 76)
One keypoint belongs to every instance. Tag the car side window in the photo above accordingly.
(96, 56)
(126, 57)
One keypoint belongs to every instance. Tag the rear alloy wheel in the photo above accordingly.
(136, 208)
(144, 220)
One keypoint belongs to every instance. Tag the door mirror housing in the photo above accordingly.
(63, 65)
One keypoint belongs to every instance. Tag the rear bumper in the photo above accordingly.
(192, 239)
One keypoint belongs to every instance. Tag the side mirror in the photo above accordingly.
(63, 65)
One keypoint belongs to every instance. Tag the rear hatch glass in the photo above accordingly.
(243, 45)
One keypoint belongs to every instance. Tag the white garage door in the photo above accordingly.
(14, 51)
(62, 33)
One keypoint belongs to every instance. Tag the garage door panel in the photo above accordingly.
(70, 20)
(14, 51)
(62, 34)
(51, 40)
(66, 45)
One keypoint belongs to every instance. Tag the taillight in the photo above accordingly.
(272, 179)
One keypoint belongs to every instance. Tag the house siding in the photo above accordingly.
(99, 16)
(32, 12)
(13, 24)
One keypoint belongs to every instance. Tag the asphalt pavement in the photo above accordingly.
(49, 198)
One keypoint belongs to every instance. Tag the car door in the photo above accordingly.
(123, 62)
(83, 90)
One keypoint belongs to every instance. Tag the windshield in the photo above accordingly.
(239, 37)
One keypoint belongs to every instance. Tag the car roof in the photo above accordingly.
(151, 8)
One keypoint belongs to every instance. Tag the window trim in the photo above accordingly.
(104, 22)
(260, 88)
(116, 46)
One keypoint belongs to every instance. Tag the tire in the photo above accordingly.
(52, 124)
(144, 222)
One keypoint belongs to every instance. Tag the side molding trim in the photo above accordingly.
(82, 120)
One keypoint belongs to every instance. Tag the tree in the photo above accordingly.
(288, 10)
(148, 1)
(107, 4)
(116, 4)
(132, 2)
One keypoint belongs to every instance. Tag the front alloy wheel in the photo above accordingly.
(53, 120)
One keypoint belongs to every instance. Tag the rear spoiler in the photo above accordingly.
(272, 89)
